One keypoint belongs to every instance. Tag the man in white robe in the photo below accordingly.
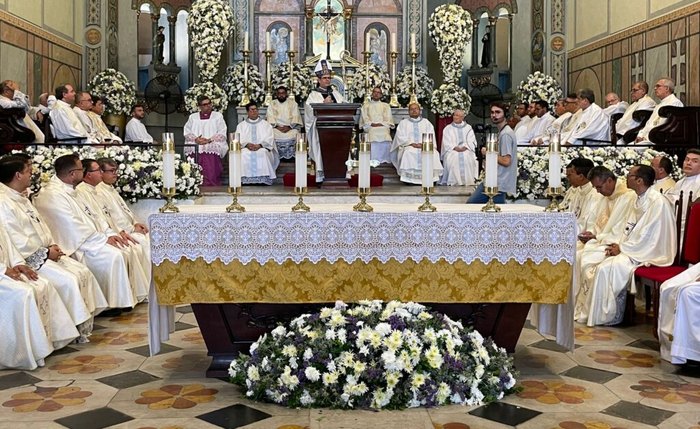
(640, 101)
(259, 158)
(459, 152)
(664, 92)
(679, 317)
(522, 113)
(663, 167)
(562, 116)
(376, 120)
(283, 115)
(406, 149)
(65, 124)
(649, 238)
(689, 184)
(76, 233)
(592, 123)
(11, 97)
(98, 126)
(323, 93)
(31, 237)
(536, 134)
(522, 132)
(83, 104)
(581, 198)
(613, 104)
(207, 129)
(571, 103)
(135, 129)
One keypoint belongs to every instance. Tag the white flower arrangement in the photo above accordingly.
(533, 165)
(218, 97)
(539, 86)
(424, 85)
(450, 28)
(140, 169)
(209, 25)
(378, 76)
(234, 83)
(118, 91)
(304, 80)
(448, 98)
(374, 355)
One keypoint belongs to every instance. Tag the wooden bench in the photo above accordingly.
(680, 133)
(12, 131)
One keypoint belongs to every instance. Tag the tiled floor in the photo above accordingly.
(614, 379)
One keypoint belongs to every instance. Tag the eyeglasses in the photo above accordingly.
(659, 86)
(92, 171)
(325, 77)
(570, 102)
(110, 170)
(635, 89)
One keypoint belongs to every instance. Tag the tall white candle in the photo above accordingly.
(363, 176)
(234, 160)
(168, 160)
(491, 170)
(413, 42)
(300, 162)
(291, 40)
(367, 42)
(393, 42)
(245, 41)
(267, 41)
(426, 162)
(554, 169)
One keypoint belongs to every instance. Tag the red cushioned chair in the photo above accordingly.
(689, 254)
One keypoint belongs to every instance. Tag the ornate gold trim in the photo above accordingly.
(40, 32)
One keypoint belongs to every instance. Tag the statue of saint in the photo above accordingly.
(486, 49)
(158, 43)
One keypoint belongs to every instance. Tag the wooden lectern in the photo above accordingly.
(335, 123)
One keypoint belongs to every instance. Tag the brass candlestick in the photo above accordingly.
(426, 206)
(169, 190)
(554, 194)
(235, 188)
(363, 164)
(235, 206)
(491, 207)
(169, 206)
(300, 205)
(367, 55)
(362, 206)
(394, 102)
(555, 190)
(268, 78)
(427, 148)
(414, 97)
(300, 155)
(491, 173)
(246, 94)
(291, 55)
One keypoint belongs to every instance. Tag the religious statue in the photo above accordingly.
(158, 43)
(486, 50)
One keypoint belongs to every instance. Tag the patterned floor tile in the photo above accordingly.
(561, 394)
(95, 419)
(145, 350)
(181, 326)
(128, 379)
(335, 419)
(600, 336)
(549, 345)
(178, 364)
(88, 365)
(663, 391)
(638, 413)
(116, 338)
(27, 424)
(234, 416)
(682, 420)
(461, 420)
(184, 309)
(620, 359)
(187, 339)
(188, 318)
(165, 423)
(590, 374)
(529, 336)
(581, 421)
(532, 361)
(17, 378)
(507, 414)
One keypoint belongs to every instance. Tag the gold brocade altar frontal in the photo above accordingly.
(196, 281)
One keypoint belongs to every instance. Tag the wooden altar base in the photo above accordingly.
(230, 329)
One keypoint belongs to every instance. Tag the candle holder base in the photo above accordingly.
(413, 99)
(426, 206)
(490, 206)
(245, 99)
(268, 99)
(362, 206)
(300, 206)
(169, 206)
(394, 102)
(235, 207)
(554, 194)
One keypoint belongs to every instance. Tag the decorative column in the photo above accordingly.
(347, 15)
(475, 44)
(510, 41)
(154, 31)
(309, 32)
(171, 31)
(493, 20)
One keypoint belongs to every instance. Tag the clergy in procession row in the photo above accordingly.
(507, 159)
(76, 232)
(65, 124)
(406, 149)
(459, 152)
(640, 101)
(101, 131)
(647, 237)
(613, 104)
(283, 115)
(207, 130)
(73, 281)
(526, 113)
(541, 123)
(592, 124)
(135, 129)
(323, 93)
(581, 198)
(376, 120)
(259, 157)
(12, 97)
(555, 127)
(572, 107)
(689, 184)
(679, 317)
(664, 92)
(663, 168)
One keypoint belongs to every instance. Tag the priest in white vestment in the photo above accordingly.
(689, 184)
(65, 124)
(555, 127)
(76, 233)
(543, 124)
(376, 120)
(613, 104)
(526, 115)
(323, 93)
(640, 101)
(459, 152)
(679, 317)
(135, 129)
(522, 132)
(581, 198)
(259, 157)
(11, 97)
(83, 104)
(664, 92)
(663, 167)
(283, 115)
(207, 129)
(406, 149)
(98, 126)
(648, 238)
(592, 122)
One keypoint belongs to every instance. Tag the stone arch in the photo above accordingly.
(384, 7)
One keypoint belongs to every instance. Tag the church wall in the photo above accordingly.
(522, 29)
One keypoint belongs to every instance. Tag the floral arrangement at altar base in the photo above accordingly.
(448, 98)
(378, 76)
(304, 80)
(209, 25)
(377, 355)
(539, 86)
(234, 83)
(140, 169)
(218, 97)
(450, 28)
(424, 85)
(118, 91)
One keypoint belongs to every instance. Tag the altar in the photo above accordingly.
(245, 272)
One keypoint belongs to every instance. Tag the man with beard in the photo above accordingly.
(283, 115)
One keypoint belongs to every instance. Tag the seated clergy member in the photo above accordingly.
(323, 93)
(663, 167)
(542, 123)
(562, 116)
(592, 122)
(664, 91)
(377, 122)
(283, 115)
(406, 150)
(11, 97)
(648, 238)
(690, 183)
(32, 238)
(640, 101)
(259, 158)
(135, 129)
(459, 152)
(83, 104)
(613, 104)
(98, 125)
(77, 234)
(581, 198)
(65, 124)
(118, 208)
(679, 317)
(207, 129)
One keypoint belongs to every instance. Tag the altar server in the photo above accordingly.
(283, 115)
(207, 129)
(459, 152)
(376, 120)
(259, 157)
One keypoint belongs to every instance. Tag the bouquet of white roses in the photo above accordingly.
(116, 89)
(424, 85)
(450, 28)
(378, 76)
(303, 80)
(448, 98)
(539, 86)
(209, 24)
(219, 99)
(374, 355)
(234, 83)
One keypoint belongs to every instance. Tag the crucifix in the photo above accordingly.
(328, 20)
